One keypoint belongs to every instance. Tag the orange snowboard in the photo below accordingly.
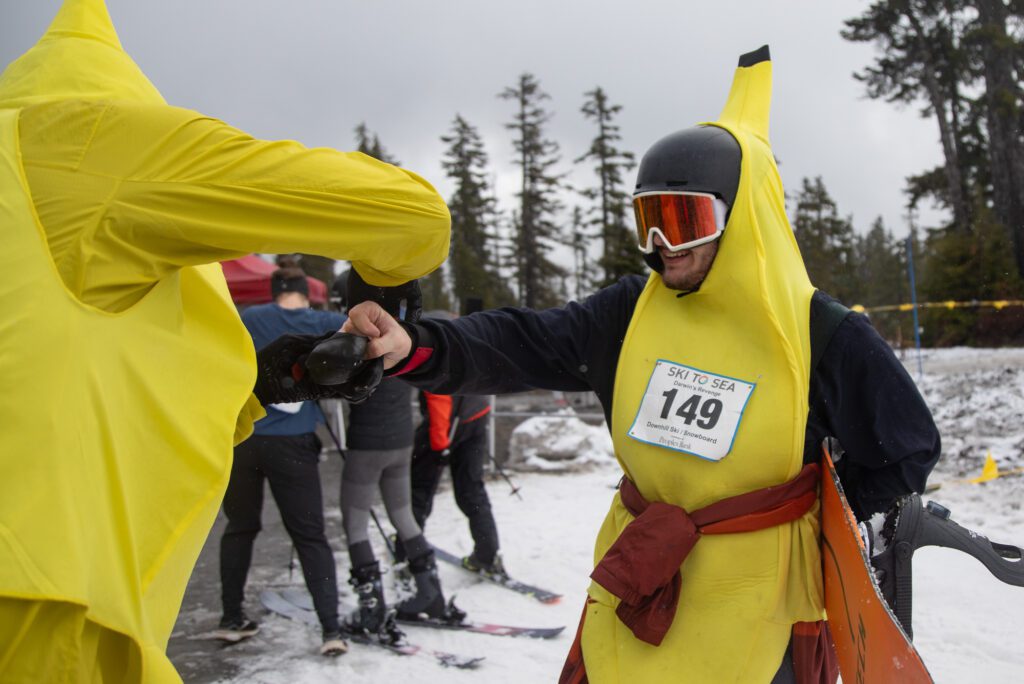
(870, 644)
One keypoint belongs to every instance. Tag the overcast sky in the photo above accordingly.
(311, 70)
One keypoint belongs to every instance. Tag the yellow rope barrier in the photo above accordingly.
(998, 305)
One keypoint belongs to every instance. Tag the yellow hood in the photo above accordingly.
(78, 58)
(758, 260)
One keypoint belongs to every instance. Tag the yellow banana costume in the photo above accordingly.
(742, 592)
(126, 372)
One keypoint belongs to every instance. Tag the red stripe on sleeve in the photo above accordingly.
(417, 360)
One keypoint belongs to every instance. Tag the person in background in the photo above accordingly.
(453, 434)
(284, 450)
(380, 438)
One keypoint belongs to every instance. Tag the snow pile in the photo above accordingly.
(560, 442)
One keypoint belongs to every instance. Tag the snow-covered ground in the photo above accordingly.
(967, 624)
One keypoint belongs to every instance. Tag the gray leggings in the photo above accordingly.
(365, 470)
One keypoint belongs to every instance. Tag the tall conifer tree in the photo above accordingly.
(473, 262)
(535, 231)
(608, 215)
(368, 143)
(922, 59)
(826, 241)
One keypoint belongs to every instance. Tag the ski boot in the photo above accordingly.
(428, 604)
(495, 569)
(400, 568)
(372, 618)
(908, 526)
(372, 612)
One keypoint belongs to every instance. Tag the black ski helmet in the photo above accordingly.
(697, 159)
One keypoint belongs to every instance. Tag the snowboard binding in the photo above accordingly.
(908, 526)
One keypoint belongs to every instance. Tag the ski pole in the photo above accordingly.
(501, 471)
(341, 452)
(447, 451)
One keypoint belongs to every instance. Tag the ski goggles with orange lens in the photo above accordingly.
(682, 219)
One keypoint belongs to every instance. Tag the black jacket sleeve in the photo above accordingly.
(862, 395)
(570, 348)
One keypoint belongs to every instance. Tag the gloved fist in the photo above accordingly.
(362, 383)
(282, 375)
(390, 298)
(334, 360)
(338, 363)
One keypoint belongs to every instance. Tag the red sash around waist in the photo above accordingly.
(642, 567)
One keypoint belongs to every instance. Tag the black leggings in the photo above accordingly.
(291, 465)
(468, 454)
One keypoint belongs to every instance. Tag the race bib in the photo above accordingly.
(689, 410)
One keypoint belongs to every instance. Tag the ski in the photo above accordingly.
(542, 595)
(486, 628)
(278, 602)
(302, 599)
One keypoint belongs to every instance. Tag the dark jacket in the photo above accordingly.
(384, 421)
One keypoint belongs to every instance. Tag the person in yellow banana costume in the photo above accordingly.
(127, 375)
(717, 396)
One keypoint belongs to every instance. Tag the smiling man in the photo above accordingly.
(718, 382)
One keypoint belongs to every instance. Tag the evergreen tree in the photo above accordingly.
(883, 282)
(619, 255)
(965, 60)
(580, 259)
(437, 295)
(369, 144)
(473, 262)
(880, 265)
(826, 242)
(535, 231)
(998, 57)
(962, 268)
(922, 58)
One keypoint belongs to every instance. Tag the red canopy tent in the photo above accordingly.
(249, 281)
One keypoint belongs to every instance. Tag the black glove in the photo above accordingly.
(282, 375)
(360, 385)
(338, 362)
(390, 298)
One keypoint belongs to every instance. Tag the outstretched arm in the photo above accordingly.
(130, 193)
(570, 348)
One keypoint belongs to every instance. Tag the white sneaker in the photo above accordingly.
(333, 645)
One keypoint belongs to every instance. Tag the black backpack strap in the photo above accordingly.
(826, 315)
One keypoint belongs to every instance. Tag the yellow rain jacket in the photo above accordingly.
(125, 372)
(748, 322)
